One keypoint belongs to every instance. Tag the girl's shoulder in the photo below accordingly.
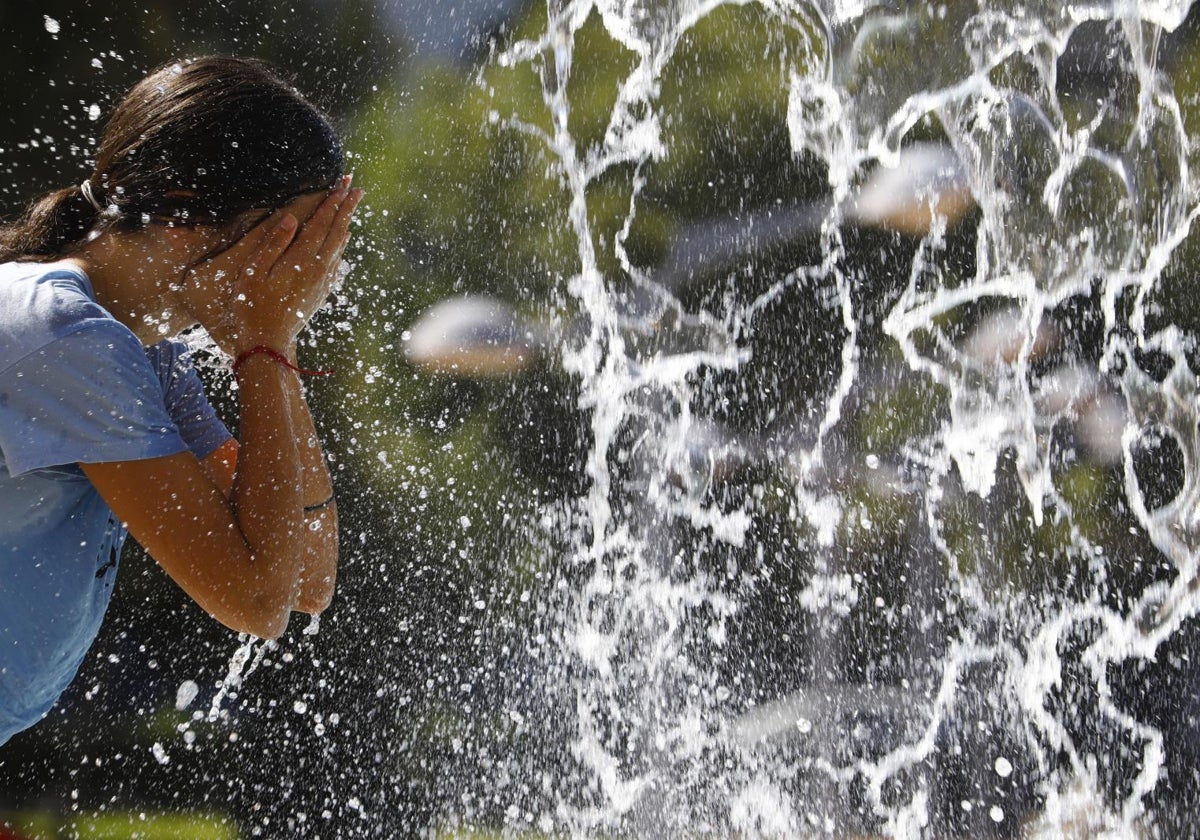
(43, 302)
(62, 278)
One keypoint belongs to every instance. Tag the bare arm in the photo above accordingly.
(232, 530)
(244, 549)
(242, 560)
(320, 518)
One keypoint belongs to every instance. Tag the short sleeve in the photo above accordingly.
(88, 396)
(198, 424)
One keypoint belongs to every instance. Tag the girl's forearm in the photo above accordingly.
(321, 520)
(268, 492)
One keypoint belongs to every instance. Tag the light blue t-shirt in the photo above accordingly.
(76, 385)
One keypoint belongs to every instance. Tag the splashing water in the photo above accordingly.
(972, 684)
(245, 661)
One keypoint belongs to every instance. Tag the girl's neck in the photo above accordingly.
(132, 274)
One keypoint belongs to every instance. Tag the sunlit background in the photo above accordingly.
(434, 696)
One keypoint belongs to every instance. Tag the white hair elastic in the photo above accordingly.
(86, 189)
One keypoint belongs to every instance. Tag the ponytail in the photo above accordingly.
(49, 226)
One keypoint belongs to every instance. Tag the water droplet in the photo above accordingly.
(313, 626)
(185, 694)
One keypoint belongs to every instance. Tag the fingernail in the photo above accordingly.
(286, 223)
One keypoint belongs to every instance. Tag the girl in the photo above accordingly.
(217, 198)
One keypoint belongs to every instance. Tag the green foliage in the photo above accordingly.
(122, 825)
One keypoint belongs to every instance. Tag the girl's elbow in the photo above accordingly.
(263, 625)
(316, 591)
(315, 602)
(270, 625)
(265, 615)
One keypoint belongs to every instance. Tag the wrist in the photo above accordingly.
(273, 354)
(246, 342)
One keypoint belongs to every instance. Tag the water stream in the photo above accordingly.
(953, 617)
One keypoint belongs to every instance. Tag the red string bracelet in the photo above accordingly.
(277, 356)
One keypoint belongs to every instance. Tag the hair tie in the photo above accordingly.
(86, 189)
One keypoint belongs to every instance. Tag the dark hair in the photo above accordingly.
(200, 141)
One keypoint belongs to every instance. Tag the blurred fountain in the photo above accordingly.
(958, 634)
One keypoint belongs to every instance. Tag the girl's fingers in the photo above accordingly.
(275, 241)
(256, 236)
(314, 231)
(339, 229)
(298, 261)
(326, 218)
(336, 249)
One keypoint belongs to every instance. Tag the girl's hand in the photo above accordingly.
(275, 296)
(266, 287)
